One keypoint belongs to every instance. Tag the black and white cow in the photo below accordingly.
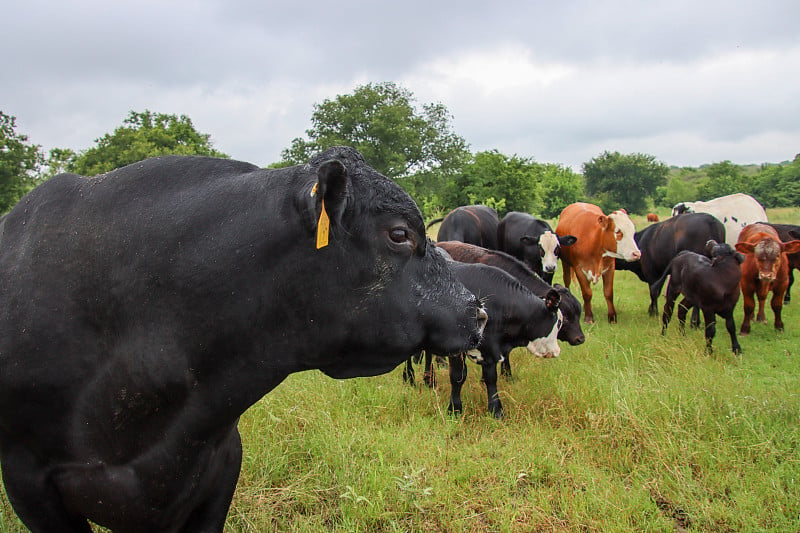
(533, 241)
(144, 310)
(735, 211)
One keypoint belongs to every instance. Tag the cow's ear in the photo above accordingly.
(745, 247)
(603, 221)
(551, 300)
(791, 247)
(567, 240)
(739, 257)
(332, 180)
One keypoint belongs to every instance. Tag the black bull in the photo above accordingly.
(142, 311)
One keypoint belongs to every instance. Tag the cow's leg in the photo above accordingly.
(210, 515)
(586, 291)
(669, 304)
(748, 306)
(683, 310)
(655, 289)
(608, 292)
(788, 297)
(458, 375)
(33, 496)
(731, 327)
(429, 375)
(408, 372)
(695, 320)
(761, 294)
(489, 377)
(777, 306)
(711, 327)
(505, 367)
(567, 273)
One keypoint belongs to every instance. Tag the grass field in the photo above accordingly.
(631, 431)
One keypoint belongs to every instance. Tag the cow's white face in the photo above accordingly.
(547, 347)
(549, 248)
(623, 233)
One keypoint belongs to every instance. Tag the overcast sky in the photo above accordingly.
(690, 82)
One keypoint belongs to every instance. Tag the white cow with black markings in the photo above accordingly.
(735, 211)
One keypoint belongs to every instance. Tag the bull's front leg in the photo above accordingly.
(777, 307)
(458, 375)
(762, 293)
(489, 377)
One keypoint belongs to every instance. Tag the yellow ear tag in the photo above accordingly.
(323, 224)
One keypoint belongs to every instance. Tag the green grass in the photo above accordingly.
(631, 431)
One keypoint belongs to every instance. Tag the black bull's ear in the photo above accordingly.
(332, 181)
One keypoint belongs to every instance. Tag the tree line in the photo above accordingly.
(417, 147)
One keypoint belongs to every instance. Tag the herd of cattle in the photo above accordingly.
(690, 248)
(144, 310)
(710, 251)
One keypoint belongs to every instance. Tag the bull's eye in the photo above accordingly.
(399, 235)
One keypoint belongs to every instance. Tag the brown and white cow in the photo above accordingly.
(765, 269)
(600, 239)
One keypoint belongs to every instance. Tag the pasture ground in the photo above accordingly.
(631, 431)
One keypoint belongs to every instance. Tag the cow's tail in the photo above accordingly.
(434, 221)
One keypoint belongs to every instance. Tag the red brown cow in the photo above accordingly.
(601, 238)
(652, 217)
(765, 269)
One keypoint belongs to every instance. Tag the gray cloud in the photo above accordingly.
(688, 82)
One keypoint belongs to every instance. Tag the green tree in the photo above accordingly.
(491, 178)
(677, 190)
(778, 185)
(560, 186)
(722, 179)
(143, 135)
(625, 181)
(20, 163)
(380, 121)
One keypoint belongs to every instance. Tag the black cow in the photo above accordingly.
(661, 242)
(517, 317)
(789, 232)
(144, 310)
(569, 305)
(475, 224)
(533, 241)
(710, 284)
